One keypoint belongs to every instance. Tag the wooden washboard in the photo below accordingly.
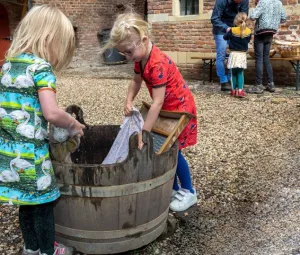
(168, 124)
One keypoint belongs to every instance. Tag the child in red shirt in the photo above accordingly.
(167, 88)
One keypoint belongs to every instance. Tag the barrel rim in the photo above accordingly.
(133, 137)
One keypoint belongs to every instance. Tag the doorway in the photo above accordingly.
(4, 33)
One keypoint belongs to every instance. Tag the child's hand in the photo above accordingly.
(128, 108)
(76, 128)
(140, 140)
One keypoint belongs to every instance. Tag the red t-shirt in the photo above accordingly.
(160, 71)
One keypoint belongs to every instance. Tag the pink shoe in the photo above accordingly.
(60, 249)
(241, 94)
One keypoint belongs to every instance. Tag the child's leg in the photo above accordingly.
(240, 78)
(175, 184)
(185, 197)
(26, 219)
(183, 173)
(234, 78)
(45, 228)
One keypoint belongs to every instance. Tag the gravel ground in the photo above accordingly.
(245, 167)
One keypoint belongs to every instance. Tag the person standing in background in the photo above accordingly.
(268, 15)
(222, 20)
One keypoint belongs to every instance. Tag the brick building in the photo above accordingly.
(88, 18)
(181, 28)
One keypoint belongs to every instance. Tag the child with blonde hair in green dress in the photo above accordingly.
(43, 41)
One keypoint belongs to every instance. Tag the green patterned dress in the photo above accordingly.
(26, 172)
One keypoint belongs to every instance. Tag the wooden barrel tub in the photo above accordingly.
(107, 209)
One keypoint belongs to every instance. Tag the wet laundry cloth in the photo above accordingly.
(119, 150)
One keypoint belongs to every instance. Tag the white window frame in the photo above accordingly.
(177, 17)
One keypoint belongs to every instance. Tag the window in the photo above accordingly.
(189, 7)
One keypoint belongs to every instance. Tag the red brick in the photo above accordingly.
(90, 17)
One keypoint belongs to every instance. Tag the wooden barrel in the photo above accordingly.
(107, 209)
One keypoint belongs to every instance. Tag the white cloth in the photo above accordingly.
(119, 150)
(237, 59)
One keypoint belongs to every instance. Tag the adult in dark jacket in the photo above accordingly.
(222, 20)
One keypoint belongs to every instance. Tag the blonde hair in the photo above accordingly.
(240, 20)
(46, 32)
(123, 27)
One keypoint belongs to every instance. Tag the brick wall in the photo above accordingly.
(196, 36)
(88, 17)
(286, 2)
(159, 6)
(191, 36)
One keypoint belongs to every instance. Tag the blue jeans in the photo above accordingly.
(221, 45)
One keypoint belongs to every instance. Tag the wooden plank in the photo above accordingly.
(91, 214)
(168, 187)
(160, 164)
(167, 125)
(104, 212)
(145, 167)
(128, 171)
(143, 204)
(61, 212)
(162, 125)
(166, 193)
(106, 175)
(80, 213)
(87, 175)
(169, 114)
(127, 211)
(174, 135)
(153, 211)
(143, 199)
(160, 132)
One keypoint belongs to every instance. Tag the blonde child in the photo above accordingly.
(239, 38)
(169, 91)
(43, 40)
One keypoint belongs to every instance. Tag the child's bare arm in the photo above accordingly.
(57, 116)
(158, 95)
(133, 90)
